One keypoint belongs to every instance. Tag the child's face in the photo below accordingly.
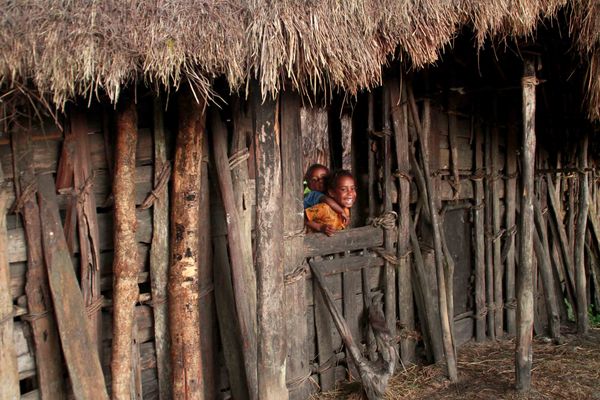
(316, 180)
(344, 192)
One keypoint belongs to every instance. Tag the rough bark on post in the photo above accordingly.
(269, 249)
(242, 274)
(579, 249)
(125, 266)
(85, 373)
(9, 373)
(405, 293)
(479, 238)
(39, 303)
(159, 255)
(388, 241)
(437, 241)
(510, 192)
(524, 351)
(183, 287)
(293, 227)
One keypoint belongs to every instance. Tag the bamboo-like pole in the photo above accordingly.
(269, 249)
(183, 287)
(579, 255)
(371, 155)
(242, 273)
(159, 257)
(406, 311)
(9, 373)
(479, 238)
(293, 224)
(524, 352)
(125, 266)
(496, 244)
(443, 303)
(510, 192)
(489, 237)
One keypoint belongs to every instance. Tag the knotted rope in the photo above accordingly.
(161, 185)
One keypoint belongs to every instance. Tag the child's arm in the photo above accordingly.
(335, 207)
(318, 227)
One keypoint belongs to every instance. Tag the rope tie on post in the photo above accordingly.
(238, 157)
(482, 313)
(31, 317)
(403, 175)
(531, 81)
(387, 220)
(25, 196)
(301, 232)
(163, 178)
(511, 304)
(296, 275)
(94, 306)
(478, 175)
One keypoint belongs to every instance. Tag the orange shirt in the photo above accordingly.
(323, 214)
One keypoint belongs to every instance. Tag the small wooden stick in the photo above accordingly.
(582, 217)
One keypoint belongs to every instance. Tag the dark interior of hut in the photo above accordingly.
(470, 102)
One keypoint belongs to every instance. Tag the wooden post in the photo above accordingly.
(125, 266)
(9, 373)
(496, 242)
(39, 303)
(243, 278)
(293, 227)
(489, 237)
(479, 239)
(371, 155)
(159, 255)
(388, 241)
(510, 192)
(183, 287)
(443, 300)
(579, 255)
(85, 373)
(269, 249)
(524, 352)
(405, 292)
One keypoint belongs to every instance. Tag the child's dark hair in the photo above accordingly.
(335, 176)
(313, 167)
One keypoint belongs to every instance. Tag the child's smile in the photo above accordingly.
(344, 192)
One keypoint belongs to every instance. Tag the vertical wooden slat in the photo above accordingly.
(9, 374)
(269, 249)
(293, 227)
(371, 155)
(479, 238)
(242, 274)
(496, 223)
(159, 257)
(579, 255)
(43, 324)
(404, 277)
(489, 237)
(125, 267)
(510, 192)
(325, 347)
(523, 351)
(85, 373)
(183, 287)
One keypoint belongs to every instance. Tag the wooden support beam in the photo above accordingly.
(406, 311)
(510, 192)
(293, 228)
(9, 373)
(85, 373)
(479, 238)
(39, 302)
(159, 254)
(183, 287)
(424, 132)
(579, 249)
(242, 273)
(489, 238)
(496, 226)
(269, 249)
(524, 351)
(125, 269)
(372, 173)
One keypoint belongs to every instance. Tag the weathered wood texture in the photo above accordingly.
(39, 302)
(159, 254)
(183, 287)
(404, 272)
(479, 240)
(85, 373)
(510, 222)
(523, 351)
(269, 249)
(242, 273)
(293, 228)
(9, 373)
(579, 247)
(125, 287)
(496, 226)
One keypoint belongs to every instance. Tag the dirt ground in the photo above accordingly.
(570, 370)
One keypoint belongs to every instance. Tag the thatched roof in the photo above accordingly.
(75, 47)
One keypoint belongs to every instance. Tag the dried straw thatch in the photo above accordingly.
(75, 47)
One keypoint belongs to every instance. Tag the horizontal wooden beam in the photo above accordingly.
(318, 244)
